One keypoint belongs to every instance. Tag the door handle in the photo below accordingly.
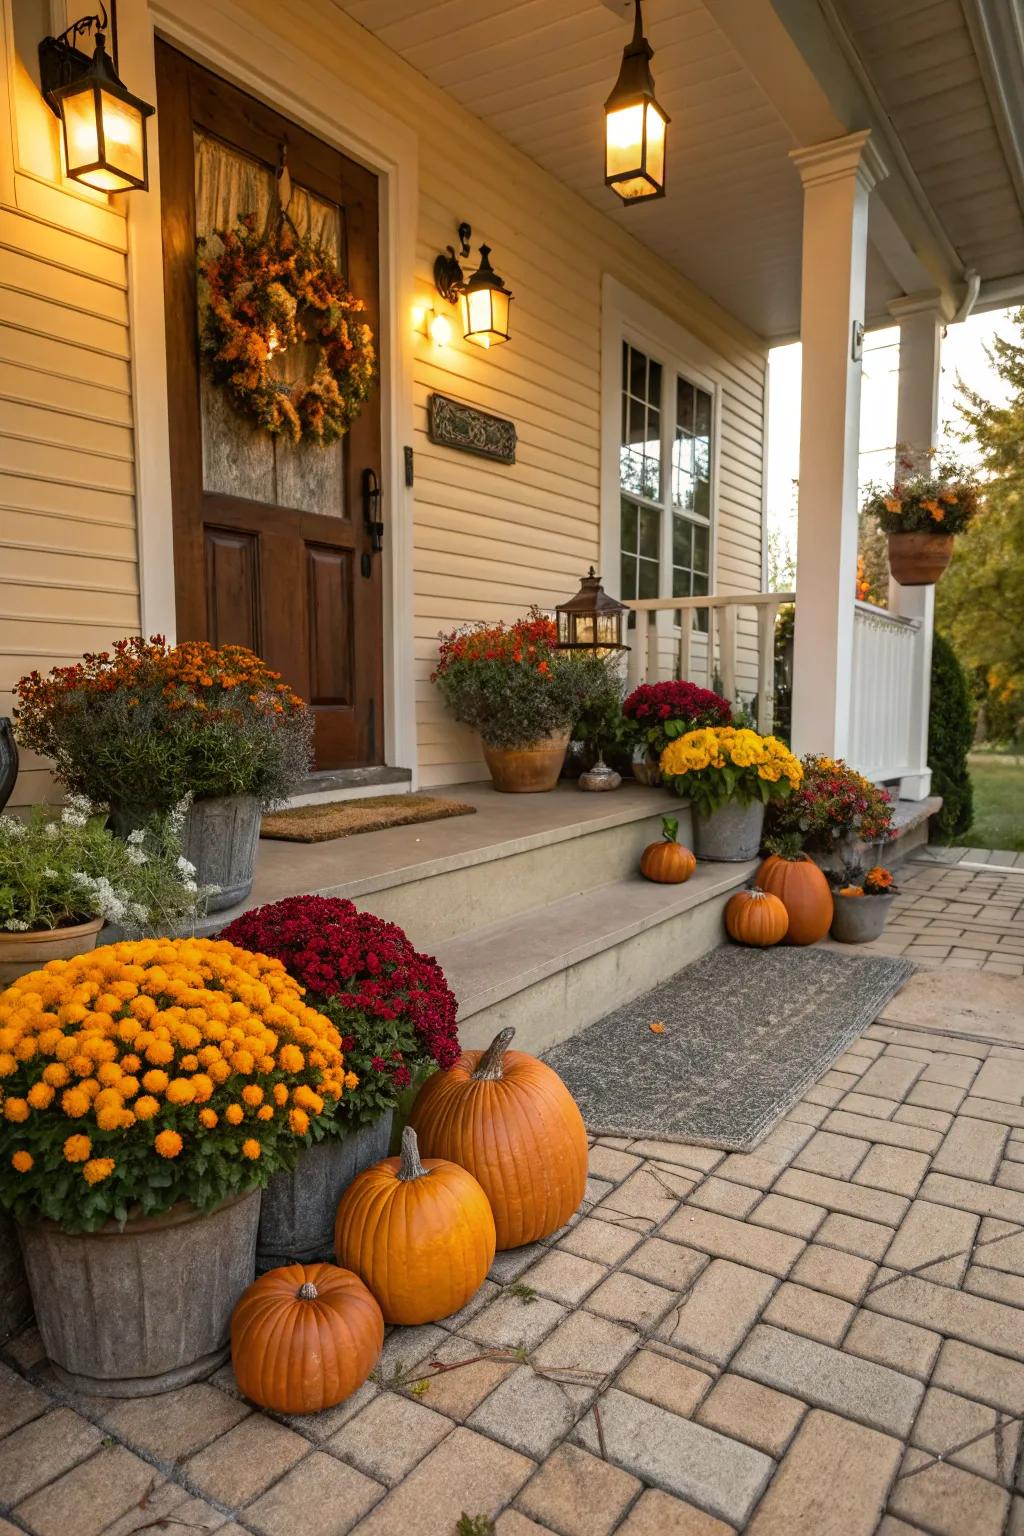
(371, 510)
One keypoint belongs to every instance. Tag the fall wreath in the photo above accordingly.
(264, 292)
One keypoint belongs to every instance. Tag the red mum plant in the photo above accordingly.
(660, 712)
(392, 1005)
(834, 804)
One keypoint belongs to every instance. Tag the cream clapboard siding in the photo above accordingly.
(68, 551)
(488, 539)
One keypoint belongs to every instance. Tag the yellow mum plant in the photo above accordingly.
(146, 1073)
(723, 763)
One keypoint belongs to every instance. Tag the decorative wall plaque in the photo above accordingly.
(455, 425)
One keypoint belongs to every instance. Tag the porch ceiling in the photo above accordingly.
(742, 88)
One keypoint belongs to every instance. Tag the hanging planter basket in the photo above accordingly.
(919, 559)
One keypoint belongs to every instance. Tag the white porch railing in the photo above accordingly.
(720, 660)
(888, 669)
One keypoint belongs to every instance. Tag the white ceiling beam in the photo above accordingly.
(997, 32)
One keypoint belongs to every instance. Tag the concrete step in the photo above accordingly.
(557, 968)
(441, 879)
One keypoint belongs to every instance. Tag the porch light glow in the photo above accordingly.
(591, 621)
(634, 156)
(104, 125)
(485, 303)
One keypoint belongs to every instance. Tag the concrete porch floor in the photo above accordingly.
(823, 1338)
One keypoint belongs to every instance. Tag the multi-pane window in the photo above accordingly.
(665, 539)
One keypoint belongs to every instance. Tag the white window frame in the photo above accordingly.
(627, 317)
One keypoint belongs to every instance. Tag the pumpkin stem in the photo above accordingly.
(307, 1291)
(670, 828)
(489, 1068)
(409, 1165)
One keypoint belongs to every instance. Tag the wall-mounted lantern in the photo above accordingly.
(635, 125)
(103, 124)
(591, 621)
(483, 298)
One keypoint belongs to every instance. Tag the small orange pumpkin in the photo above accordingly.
(668, 862)
(756, 917)
(304, 1337)
(419, 1233)
(803, 890)
(851, 890)
(513, 1123)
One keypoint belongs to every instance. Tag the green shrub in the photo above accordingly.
(950, 734)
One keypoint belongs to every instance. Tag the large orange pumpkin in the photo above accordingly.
(756, 917)
(512, 1122)
(804, 892)
(304, 1337)
(668, 862)
(419, 1233)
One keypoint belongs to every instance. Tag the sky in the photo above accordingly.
(963, 355)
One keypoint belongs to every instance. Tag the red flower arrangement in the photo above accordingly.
(833, 803)
(356, 962)
(660, 712)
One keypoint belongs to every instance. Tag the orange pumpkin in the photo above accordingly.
(512, 1122)
(668, 862)
(851, 890)
(419, 1233)
(304, 1337)
(804, 892)
(756, 917)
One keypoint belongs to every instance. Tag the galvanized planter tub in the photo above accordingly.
(220, 837)
(297, 1219)
(859, 919)
(134, 1311)
(730, 835)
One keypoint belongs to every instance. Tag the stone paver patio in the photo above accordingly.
(822, 1338)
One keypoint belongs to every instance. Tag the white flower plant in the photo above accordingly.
(62, 868)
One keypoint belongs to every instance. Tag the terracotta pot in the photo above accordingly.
(530, 769)
(919, 559)
(140, 1309)
(24, 952)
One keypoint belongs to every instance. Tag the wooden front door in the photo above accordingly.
(271, 547)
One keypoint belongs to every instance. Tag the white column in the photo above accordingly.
(920, 320)
(837, 177)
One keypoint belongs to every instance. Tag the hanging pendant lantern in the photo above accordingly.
(635, 125)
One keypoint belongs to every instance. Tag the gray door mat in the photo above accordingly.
(745, 1032)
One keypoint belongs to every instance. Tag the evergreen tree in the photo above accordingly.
(950, 733)
(980, 600)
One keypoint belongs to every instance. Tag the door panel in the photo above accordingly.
(270, 543)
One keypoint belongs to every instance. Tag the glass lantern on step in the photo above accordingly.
(591, 624)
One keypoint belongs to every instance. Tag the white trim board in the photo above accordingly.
(272, 66)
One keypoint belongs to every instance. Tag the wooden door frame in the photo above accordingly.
(273, 67)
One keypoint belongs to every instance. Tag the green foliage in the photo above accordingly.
(998, 784)
(601, 724)
(58, 870)
(366, 1041)
(950, 733)
(980, 599)
(939, 498)
(474, 1525)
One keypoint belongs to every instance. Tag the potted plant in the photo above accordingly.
(63, 874)
(729, 775)
(147, 725)
(396, 1016)
(862, 903)
(921, 513)
(834, 811)
(657, 713)
(512, 684)
(150, 1089)
(600, 749)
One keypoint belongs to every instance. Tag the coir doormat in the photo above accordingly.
(745, 1032)
(344, 818)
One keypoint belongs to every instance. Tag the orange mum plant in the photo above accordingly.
(153, 1072)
